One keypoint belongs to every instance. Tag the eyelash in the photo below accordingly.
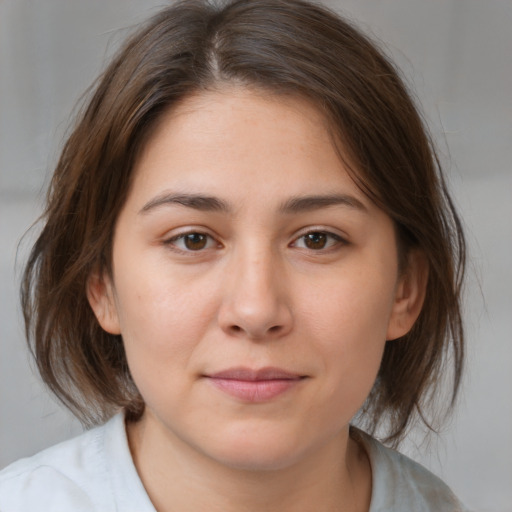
(335, 240)
(332, 241)
(182, 237)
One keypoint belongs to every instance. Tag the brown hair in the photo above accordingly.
(285, 47)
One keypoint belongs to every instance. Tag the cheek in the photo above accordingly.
(356, 305)
(348, 322)
(162, 321)
(162, 332)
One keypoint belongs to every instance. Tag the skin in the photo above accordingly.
(267, 280)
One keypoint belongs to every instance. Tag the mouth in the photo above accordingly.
(255, 386)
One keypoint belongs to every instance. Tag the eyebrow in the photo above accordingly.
(195, 201)
(297, 204)
(302, 204)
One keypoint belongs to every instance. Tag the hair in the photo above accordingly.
(289, 47)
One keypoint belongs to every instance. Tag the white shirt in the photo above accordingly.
(95, 472)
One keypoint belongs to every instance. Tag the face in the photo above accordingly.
(254, 285)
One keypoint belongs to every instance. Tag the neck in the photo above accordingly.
(335, 477)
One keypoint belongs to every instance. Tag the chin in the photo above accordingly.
(254, 450)
(258, 460)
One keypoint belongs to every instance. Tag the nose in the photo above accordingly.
(255, 301)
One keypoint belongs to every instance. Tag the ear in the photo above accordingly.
(409, 295)
(100, 294)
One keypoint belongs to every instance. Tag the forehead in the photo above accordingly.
(219, 116)
(246, 137)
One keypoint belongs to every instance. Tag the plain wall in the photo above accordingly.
(457, 54)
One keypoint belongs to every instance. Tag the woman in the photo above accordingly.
(248, 243)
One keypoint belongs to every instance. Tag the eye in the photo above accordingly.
(318, 240)
(192, 241)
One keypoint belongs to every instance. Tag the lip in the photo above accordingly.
(256, 386)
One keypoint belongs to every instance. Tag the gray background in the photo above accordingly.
(457, 54)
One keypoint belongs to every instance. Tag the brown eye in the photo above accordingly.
(195, 241)
(315, 240)
(319, 241)
(191, 242)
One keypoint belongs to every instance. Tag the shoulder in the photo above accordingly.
(401, 484)
(72, 475)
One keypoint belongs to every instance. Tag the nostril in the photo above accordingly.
(237, 329)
